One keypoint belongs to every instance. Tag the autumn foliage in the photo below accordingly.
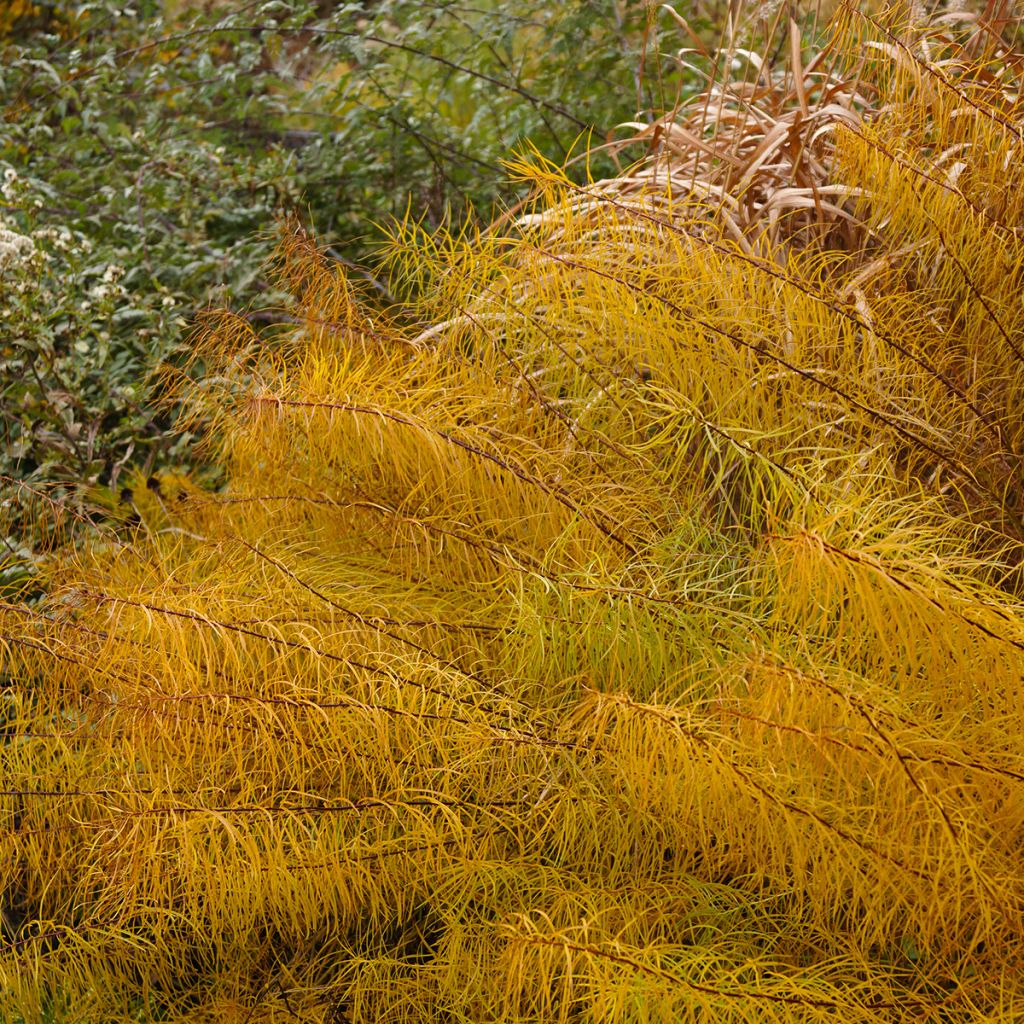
(626, 628)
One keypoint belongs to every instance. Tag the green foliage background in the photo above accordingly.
(147, 151)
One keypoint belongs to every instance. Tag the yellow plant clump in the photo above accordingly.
(627, 629)
(13, 12)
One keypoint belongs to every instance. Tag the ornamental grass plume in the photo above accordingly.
(627, 629)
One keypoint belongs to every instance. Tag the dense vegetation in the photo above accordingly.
(624, 625)
(145, 155)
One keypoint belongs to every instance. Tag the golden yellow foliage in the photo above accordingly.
(12, 12)
(627, 629)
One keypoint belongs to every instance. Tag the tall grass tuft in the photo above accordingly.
(628, 628)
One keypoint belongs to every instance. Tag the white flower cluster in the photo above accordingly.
(108, 287)
(9, 188)
(14, 248)
(60, 239)
(18, 191)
